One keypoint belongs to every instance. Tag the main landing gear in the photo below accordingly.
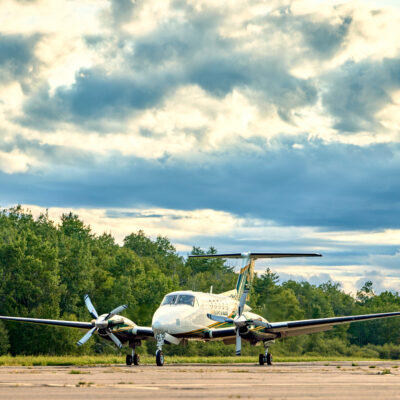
(266, 357)
(133, 358)
(160, 337)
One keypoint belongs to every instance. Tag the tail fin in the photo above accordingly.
(245, 277)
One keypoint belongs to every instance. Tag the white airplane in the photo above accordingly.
(187, 315)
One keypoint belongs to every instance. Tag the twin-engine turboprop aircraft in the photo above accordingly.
(187, 315)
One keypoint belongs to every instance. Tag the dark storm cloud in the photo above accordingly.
(328, 186)
(17, 59)
(357, 91)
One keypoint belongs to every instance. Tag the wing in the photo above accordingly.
(276, 330)
(295, 328)
(138, 332)
(72, 324)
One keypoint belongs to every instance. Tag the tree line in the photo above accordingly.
(47, 268)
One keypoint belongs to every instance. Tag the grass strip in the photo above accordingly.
(45, 360)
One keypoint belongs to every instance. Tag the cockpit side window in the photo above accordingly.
(186, 299)
(169, 300)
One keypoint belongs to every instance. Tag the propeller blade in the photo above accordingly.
(116, 311)
(238, 343)
(172, 339)
(90, 307)
(240, 321)
(220, 318)
(86, 337)
(242, 302)
(114, 339)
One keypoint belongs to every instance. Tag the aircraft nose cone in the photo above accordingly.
(156, 325)
(163, 321)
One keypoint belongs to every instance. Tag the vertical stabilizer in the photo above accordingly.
(246, 274)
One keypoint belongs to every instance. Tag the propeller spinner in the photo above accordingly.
(102, 323)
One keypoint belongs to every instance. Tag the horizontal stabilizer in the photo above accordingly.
(256, 256)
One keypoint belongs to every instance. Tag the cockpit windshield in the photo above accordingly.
(174, 299)
(186, 299)
(171, 299)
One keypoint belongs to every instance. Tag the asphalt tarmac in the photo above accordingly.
(316, 380)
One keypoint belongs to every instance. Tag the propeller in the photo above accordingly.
(102, 322)
(239, 321)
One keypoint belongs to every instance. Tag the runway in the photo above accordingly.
(317, 380)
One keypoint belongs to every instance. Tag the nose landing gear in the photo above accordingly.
(160, 337)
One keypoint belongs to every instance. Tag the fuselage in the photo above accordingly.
(184, 313)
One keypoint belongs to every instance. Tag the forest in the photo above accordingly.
(47, 268)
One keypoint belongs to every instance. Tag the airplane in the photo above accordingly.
(187, 315)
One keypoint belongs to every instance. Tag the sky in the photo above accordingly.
(244, 125)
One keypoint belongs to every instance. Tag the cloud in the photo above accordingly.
(312, 279)
(325, 185)
(381, 281)
(324, 38)
(153, 66)
(357, 91)
(122, 10)
(103, 81)
(15, 162)
(17, 59)
(93, 96)
(318, 33)
(387, 261)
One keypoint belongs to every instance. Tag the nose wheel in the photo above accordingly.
(159, 358)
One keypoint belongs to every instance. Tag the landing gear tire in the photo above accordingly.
(128, 359)
(269, 359)
(261, 359)
(136, 359)
(159, 358)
